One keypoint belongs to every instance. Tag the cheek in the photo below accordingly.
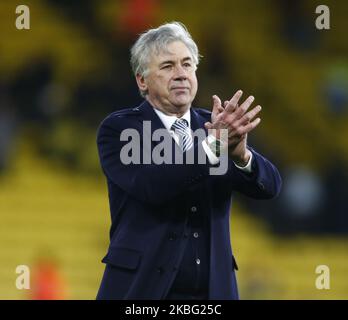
(163, 83)
(194, 84)
(159, 87)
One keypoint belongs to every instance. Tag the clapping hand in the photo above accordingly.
(238, 121)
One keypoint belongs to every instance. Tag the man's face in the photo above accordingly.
(171, 80)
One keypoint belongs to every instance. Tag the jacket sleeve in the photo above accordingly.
(151, 183)
(264, 182)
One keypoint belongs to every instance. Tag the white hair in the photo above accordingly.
(154, 41)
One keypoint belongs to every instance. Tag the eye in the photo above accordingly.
(187, 65)
(166, 66)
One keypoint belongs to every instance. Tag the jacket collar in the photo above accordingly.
(148, 113)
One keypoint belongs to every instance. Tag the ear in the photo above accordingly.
(141, 82)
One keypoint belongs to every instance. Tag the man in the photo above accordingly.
(170, 236)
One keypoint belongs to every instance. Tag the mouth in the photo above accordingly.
(180, 88)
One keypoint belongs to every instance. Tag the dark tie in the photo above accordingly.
(181, 128)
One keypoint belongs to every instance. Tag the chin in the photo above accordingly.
(181, 105)
(182, 102)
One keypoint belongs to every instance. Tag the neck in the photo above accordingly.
(169, 110)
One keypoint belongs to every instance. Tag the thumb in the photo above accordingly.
(208, 125)
(216, 105)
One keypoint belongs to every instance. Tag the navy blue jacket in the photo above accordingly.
(150, 203)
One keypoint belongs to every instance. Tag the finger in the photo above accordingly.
(250, 126)
(216, 105)
(247, 117)
(245, 106)
(232, 109)
(232, 104)
(225, 103)
(234, 135)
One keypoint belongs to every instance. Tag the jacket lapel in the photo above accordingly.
(197, 122)
(148, 114)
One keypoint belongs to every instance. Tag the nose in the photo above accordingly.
(180, 73)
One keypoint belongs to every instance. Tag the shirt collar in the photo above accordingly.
(168, 121)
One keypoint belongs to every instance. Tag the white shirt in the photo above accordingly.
(168, 121)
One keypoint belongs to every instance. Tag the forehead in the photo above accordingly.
(176, 50)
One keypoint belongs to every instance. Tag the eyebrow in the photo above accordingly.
(172, 61)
